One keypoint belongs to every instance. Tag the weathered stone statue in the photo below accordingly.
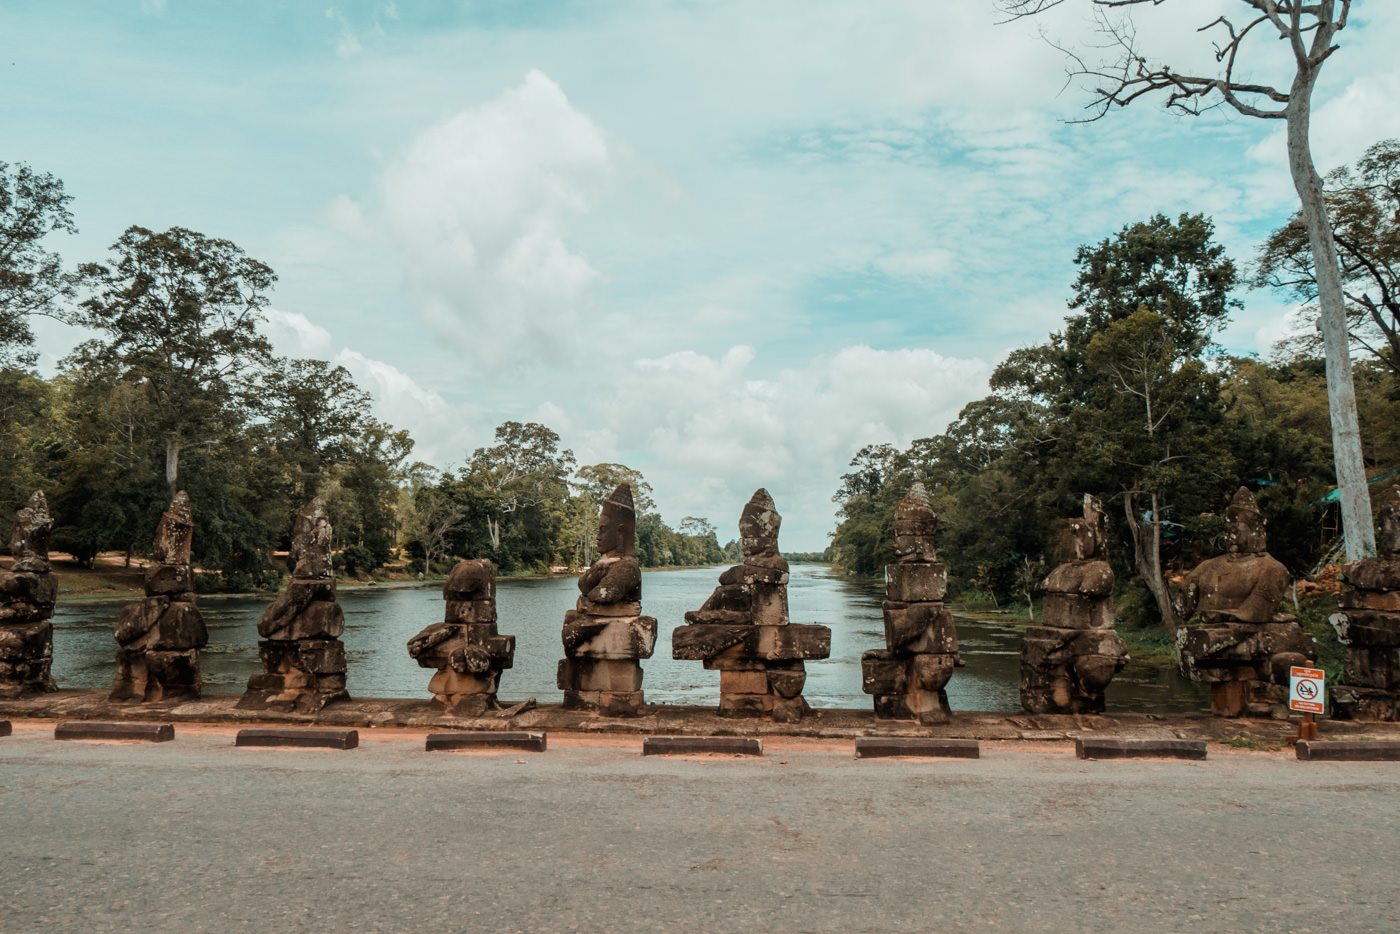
(743, 632)
(27, 592)
(1369, 623)
(606, 635)
(160, 636)
(303, 657)
(465, 648)
(1069, 659)
(1242, 646)
(908, 678)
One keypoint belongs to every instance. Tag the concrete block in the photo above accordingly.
(1315, 750)
(139, 732)
(876, 747)
(1139, 749)
(300, 737)
(525, 741)
(691, 745)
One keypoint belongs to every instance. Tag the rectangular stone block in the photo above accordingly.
(745, 705)
(879, 747)
(594, 674)
(1076, 611)
(1370, 628)
(882, 673)
(1139, 749)
(916, 581)
(920, 628)
(300, 737)
(793, 641)
(695, 745)
(607, 703)
(1316, 750)
(496, 739)
(1386, 601)
(21, 641)
(699, 641)
(470, 611)
(892, 707)
(322, 656)
(743, 682)
(180, 627)
(603, 637)
(169, 579)
(130, 731)
(5, 728)
(717, 617)
(1372, 667)
(770, 605)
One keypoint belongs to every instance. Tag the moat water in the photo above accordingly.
(380, 621)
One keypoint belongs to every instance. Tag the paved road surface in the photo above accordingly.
(196, 835)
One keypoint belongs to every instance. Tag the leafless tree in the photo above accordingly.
(1310, 29)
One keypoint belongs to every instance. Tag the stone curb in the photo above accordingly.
(1313, 750)
(691, 745)
(1139, 749)
(5, 728)
(881, 747)
(141, 732)
(527, 742)
(300, 737)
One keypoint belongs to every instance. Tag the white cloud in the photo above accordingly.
(295, 335)
(479, 205)
(347, 44)
(344, 216)
(443, 432)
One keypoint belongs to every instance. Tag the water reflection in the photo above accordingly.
(380, 621)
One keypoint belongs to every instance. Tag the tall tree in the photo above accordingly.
(180, 311)
(1363, 204)
(1310, 28)
(32, 206)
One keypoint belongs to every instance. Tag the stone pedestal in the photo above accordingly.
(743, 631)
(27, 593)
(1068, 660)
(908, 678)
(1237, 642)
(161, 635)
(465, 648)
(303, 658)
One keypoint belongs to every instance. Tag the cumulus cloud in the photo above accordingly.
(295, 335)
(479, 205)
(442, 431)
(708, 430)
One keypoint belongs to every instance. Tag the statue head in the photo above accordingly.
(29, 536)
(1084, 539)
(175, 531)
(1244, 525)
(758, 525)
(915, 523)
(1388, 525)
(617, 525)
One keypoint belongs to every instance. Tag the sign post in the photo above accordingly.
(1307, 692)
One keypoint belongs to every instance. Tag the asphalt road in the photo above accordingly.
(197, 835)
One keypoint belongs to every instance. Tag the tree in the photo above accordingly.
(1363, 204)
(518, 486)
(181, 312)
(1310, 28)
(32, 281)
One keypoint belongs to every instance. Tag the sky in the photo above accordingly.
(725, 243)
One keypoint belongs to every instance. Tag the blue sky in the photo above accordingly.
(725, 243)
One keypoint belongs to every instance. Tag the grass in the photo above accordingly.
(1245, 741)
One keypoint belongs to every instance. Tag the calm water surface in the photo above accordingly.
(379, 622)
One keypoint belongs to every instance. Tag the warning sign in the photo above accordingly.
(1305, 689)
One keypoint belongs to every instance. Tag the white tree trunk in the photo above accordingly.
(1341, 394)
(172, 465)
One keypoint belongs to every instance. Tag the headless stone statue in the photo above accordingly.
(1369, 623)
(605, 636)
(908, 677)
(161, 635)
(1068, 660)
(1243, 647)
(27, 593)
(465, 648)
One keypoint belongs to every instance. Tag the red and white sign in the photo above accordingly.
(1306, 687)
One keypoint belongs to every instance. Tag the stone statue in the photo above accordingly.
(605, 636)
(743, 631)
(303, 657)
(161, 635)
(908, 677)
(1069, 659)
(1243, 647)
(27, 593)
(1369, 624)
(465, 648)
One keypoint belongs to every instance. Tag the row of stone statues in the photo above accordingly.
(1242, 646)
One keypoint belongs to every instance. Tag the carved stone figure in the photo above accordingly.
(1369, 624)
(303, 657)
(605, 636)
(1242, 646)
(161, 635)
(465, 648)
(909, 677)
(742, 631)
(27, 593)
(1069, 659)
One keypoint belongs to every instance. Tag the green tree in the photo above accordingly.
(516, 490)
(180, 313)
(32, 282)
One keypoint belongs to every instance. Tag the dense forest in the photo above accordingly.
(1135, 402)
(180, 389)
